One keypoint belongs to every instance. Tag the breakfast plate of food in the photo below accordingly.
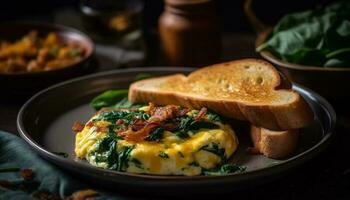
(161, 129)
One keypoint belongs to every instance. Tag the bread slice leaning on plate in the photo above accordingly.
(247, 89)
(274, 144)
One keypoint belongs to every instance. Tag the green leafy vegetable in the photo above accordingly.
(137, 163)
(181, 154)
(126, 116)
(189, 124)
(142, 76)
(214, 148)
(106, 151)
(156, 135)
(224, 169)
(213, 117)
(318, 37)
(117, 98)
(108, 98)
(163, 155)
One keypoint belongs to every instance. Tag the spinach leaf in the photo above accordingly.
(142, 76)
(123, 158)
(163, 155)
(189, 124)
(156, 135)
(108, 98)
(126, 116)
(213, 117)
(137, 163)
(214, 148)
(316, 37)
(125, 103)
(224, 169)
(106, 151)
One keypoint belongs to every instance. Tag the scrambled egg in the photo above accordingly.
(204, 148)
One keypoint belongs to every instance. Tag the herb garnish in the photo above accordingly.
(163, 155)
(224, 169)
(188, 124)
(214, 148)
(156, 135)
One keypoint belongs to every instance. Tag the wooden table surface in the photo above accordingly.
(325, 177)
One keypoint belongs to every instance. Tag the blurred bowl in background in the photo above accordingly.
(332, 83)
(25, 83)
(329, 82)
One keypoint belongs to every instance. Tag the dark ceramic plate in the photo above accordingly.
(45, 122)
(30, 82)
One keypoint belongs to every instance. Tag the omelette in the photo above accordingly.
(162, 140)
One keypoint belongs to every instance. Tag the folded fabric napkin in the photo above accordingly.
(25, 175)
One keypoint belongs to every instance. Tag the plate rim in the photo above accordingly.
(282, 166)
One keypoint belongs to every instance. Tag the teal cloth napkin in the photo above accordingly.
(15, 153)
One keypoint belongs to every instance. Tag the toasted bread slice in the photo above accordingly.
(274, 144)
(246, 89)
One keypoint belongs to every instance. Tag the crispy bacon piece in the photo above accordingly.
(101, 129)
(120, 122)
(77, 127)
(200, 114)
(90, 124)
(163, 113)
(170, 126)
(138, 124)
(182, 112)
(140, 134)
(166, 112)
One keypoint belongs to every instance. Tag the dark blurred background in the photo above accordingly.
(230, 11)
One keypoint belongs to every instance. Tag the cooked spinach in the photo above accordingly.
(106, 151)
(215, 149)
(190, 124)
(162, 154)
(112, 116)
(181, 154)
(224, 169)
(319, 37)
(142, 76)
(123, 158)
(213, 117)
(126, 116)
(156, 135)
(137, 163)
(108, 98)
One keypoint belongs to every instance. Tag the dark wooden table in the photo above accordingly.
(325, 177)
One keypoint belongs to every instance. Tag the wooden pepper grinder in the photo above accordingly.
(189, 33)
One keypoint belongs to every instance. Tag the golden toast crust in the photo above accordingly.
(231, 90)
